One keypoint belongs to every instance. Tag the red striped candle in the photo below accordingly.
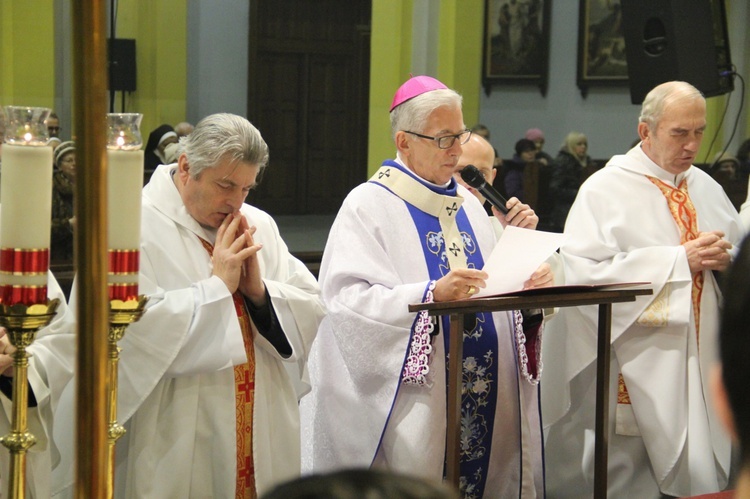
(26, 194)
(125, 181)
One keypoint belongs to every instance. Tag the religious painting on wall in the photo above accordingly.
(601, 45)
(516, 42)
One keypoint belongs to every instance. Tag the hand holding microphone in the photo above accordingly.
(473, 177)
(521, 215)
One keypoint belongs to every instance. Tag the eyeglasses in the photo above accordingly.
(446, 141)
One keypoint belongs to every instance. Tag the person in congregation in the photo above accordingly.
(726, 171)
(53, 142)
(183, 129)
(650, 216)
(63, 187)
(571, 167)
(153, 153)
(541, 198)
(479, 152)
(484, 132)
(209, 377)
(537, 137)
(730, 377)
(514, 170)
(412, 234)
(53, 125)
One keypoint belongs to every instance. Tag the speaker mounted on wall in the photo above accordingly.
(122, 74)
(669, 40)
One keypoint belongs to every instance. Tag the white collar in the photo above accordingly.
(161, 191)
(400, 161)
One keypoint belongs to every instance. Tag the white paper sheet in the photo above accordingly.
(518, 253)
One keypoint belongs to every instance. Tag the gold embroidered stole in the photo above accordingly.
(443, 207)
(684, 215)
(686, 218)
(244, 390)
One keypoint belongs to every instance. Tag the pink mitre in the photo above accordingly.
(413, 87)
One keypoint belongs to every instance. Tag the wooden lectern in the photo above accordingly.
(560, 296)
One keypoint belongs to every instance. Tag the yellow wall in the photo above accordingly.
(27, 70)
(27, 65)
(460, 51)
(390, 60)
(459, 62)
(160, 31)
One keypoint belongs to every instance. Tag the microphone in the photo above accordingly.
(473, 177)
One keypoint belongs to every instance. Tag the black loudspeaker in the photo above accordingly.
(669, 40)
(121, 64)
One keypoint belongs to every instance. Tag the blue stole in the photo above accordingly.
(479, 398)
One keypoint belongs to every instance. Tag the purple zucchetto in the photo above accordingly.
(413, 87)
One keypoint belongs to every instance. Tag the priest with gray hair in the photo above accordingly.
(412, 234)
(209, 377)
(648, 215)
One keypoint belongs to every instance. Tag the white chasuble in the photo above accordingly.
(176, 372)
(621, 229)
(391, 238)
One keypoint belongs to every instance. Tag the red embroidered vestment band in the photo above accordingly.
(686, 219)
(244, 384)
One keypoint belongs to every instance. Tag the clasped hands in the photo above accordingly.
(708, 251)
(235, 258)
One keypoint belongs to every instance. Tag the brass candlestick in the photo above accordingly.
(22, 322)
(121, 315)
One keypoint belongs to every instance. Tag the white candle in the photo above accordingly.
(125, 174)
(26, 198)
(125, 181)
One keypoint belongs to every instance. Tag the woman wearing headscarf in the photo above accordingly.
(154, 155)
(63, 185)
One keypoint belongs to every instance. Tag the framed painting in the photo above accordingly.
(516, 43)
(601, 45)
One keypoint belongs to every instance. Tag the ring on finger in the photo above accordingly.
(471, 290)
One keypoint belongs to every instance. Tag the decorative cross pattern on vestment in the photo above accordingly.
(244, 383)
(455, 249)
(451, 209)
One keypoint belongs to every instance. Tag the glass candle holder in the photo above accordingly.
(26, 125)
(124, 131)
